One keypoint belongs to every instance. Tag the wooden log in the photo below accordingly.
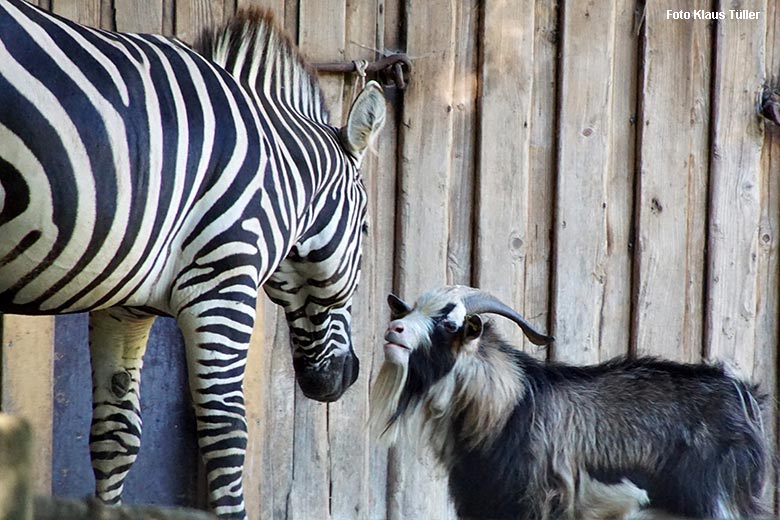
(595, 182)
(672, 194)
(15, 468)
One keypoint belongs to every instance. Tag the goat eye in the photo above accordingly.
(449, 326)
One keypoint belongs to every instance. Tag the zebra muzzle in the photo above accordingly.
(326, 382)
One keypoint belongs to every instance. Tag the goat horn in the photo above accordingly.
(479, 301)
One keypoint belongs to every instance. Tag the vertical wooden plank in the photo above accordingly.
(141, 16)
(376, 284)
(464, 139)
(733, 297)
(768, 272)
(672, 194)
(272, 417)
(275, 6)
(416, 489)
(381, 244)
(769, 247)
(310, 495)
(540, 199)
(349, 440)
(506, 77)
(192, 17)
(741, 322)
(595, 176)
(87, 12)
(27, 386)
(320, 45)
(257, 381)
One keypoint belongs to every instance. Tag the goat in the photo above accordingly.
(524, 439)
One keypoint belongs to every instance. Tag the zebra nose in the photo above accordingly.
(326, 382)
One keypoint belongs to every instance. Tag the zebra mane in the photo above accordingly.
(260, 55)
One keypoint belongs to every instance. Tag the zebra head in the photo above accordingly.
(315, 283)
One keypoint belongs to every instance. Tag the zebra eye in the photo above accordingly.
(364, 228)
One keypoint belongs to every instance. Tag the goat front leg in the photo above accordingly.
(216, 360)
(117, 339)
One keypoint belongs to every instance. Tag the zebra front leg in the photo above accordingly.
(117, 340)
(216, 359)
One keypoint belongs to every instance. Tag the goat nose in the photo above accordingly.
(396, 327)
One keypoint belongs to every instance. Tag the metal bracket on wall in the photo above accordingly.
(392, 70)
(769, 105)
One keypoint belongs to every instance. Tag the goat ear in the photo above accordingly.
(398, 307)
(472, 328)
(365, 120)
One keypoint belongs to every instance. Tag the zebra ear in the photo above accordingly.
(365, 120)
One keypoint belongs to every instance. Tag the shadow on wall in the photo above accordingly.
(166, 471)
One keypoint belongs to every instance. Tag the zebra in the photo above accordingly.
(140, 177)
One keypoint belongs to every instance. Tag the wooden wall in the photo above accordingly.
(595, 164)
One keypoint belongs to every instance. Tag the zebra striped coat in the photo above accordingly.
(139, 178)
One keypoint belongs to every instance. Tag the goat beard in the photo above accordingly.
(385, 398)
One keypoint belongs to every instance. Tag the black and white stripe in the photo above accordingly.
(138, 178)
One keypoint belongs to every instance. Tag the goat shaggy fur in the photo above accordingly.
(529, 440)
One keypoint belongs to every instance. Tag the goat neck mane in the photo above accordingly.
(480, 392)
(265, 61)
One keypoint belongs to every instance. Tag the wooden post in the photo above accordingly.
(672, 194)
(27, 382)
(15, 468)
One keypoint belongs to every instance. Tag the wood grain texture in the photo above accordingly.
(193, 16)
(672, 184)
(87, 12)
(275, 6)
(506, 79)
(351, 447)
(733, 298)
(416, 489)
(595, 175)
(460, 241)
(768, 272)
(27, 361)
(541, 171)
(381, 188)
(310, 494)
(141, 16)
(279, 394)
